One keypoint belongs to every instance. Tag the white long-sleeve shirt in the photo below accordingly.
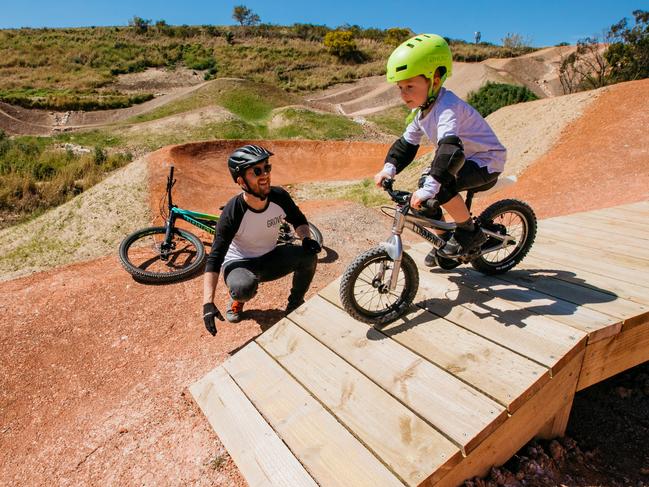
(450, 115)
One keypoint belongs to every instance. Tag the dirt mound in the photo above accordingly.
(528, 130)
(87, 227)
(601, 160)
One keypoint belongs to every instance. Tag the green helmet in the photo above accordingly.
(421, 54)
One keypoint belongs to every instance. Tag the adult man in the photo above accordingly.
(245, 243)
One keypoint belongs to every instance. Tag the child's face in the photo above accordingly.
(414, 91)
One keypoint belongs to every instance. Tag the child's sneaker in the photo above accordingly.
(235, 311)
(463, 241)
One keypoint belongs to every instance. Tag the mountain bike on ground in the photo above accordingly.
(166, 254)
(380, 285)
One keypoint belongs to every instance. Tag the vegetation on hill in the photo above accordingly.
(73, 68)
(492, 96)
(623, 55)
(36, 174)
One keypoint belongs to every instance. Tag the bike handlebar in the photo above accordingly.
(403, 197)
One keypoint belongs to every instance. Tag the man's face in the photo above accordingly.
(258, 178)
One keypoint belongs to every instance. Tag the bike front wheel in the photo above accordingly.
(144, 256)
(510, 217)
(364, 288)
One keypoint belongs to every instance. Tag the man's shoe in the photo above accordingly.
(463, 241)
(234, 312)
(290, 307)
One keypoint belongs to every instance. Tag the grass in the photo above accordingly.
(83, 62)
(295, 123)
(392, 120)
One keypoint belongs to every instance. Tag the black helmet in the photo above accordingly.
(244, 157)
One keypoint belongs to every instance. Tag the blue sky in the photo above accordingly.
(541, 23)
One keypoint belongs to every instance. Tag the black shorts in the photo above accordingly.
(470, 176)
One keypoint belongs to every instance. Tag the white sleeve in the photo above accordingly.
(390, 169)
(413, 133)
(446, 124)
(429, 190)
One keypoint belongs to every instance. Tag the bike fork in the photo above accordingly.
(394, 248)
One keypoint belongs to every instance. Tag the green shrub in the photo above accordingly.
(340, 43)
(493, 96)
(396, 36)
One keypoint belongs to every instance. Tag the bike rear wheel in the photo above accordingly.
(364, 288)
(287, 234)
(507, 217)
(141, 255)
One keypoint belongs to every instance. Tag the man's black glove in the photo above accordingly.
(311, 246)
(209, 313)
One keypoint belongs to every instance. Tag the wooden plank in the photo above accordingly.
(534, 336)
(329, 452)
(638, 217)
(584, 220)
(504, 375)
(462, 413)
(509, 378)
(637, 206)
(570, 273)
(414, 450)
(623, 268)
(548, 282)
(597, 325)
(262, 458)
(558, 423)
(614, 355)
(521, 427)
(556, 231)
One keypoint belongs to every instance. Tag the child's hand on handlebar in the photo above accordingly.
(416, 201)
(380, 176)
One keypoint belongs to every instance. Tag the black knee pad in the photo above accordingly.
(242, 284)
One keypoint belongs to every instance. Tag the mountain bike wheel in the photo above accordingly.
(287, 234)
(507, 217)
(141, 256)
(364, 288)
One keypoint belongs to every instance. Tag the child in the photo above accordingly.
(468, 153)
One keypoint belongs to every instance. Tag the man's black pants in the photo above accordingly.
(243, 276)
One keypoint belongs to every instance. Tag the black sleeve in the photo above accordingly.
(226, 229)
(401, 154)
(293, 214)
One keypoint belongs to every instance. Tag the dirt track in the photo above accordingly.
(95, 367)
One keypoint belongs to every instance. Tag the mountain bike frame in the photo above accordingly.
(405, 218)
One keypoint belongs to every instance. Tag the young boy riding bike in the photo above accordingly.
(468, 153)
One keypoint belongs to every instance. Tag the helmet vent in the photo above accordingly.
(418, 39)
(402, 68)
(410, 45)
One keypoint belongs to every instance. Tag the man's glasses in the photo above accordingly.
(257, 171)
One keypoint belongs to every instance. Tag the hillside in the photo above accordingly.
(95, 366)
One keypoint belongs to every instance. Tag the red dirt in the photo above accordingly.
(95, 367)
(601, 160)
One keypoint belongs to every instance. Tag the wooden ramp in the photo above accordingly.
(480, 365)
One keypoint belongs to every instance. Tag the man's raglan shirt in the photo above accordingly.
(244, 233)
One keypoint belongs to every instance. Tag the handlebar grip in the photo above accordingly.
(387, 183)
(432, 204)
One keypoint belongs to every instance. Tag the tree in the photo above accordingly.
(586, 68)
(245, 16)
(139, 24)
(628, 53)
